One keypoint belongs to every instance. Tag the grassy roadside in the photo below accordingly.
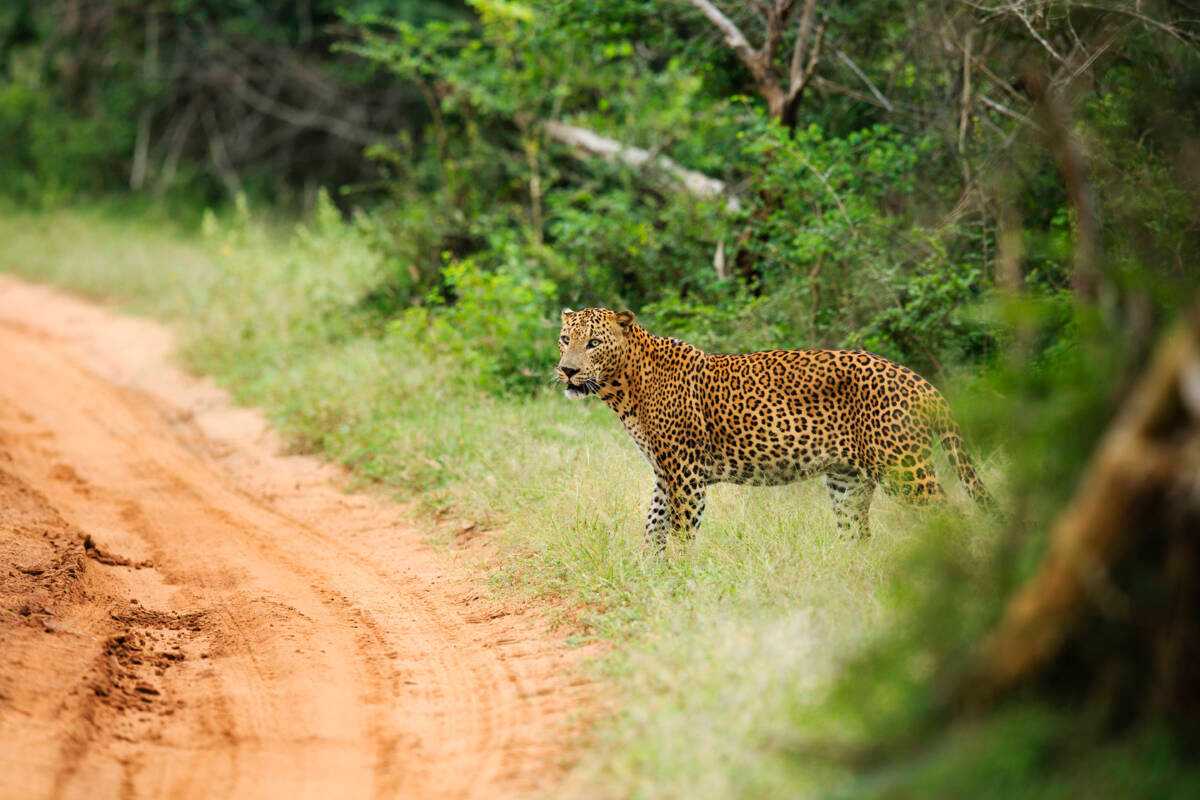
(717, 649)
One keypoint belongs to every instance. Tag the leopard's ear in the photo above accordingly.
(625, 319)
(566, 313)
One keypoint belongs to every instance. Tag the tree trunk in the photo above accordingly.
(1113, 612)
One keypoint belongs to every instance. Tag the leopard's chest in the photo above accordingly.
(637, 432)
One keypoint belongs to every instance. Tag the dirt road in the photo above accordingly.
(184, 612)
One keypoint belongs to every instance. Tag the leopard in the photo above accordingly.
(764, 418)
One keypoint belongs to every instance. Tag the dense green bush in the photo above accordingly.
(826, 249)
(832, 265)
(494, 325)
(51, 154)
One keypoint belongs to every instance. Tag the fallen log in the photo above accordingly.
(694, 183)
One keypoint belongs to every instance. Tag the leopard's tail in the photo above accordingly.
(944, 428)
(952, 443)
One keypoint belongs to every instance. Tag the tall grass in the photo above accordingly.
(713, 649)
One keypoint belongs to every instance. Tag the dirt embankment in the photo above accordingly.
(184, 612)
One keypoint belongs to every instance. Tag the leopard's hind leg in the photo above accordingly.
(851, 492)
(912, 477)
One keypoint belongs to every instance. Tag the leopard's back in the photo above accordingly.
(781, 415)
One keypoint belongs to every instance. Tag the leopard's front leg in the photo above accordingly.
(677, 505)
(685, 497)
(658, 519)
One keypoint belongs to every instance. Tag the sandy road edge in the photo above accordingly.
(278, 631)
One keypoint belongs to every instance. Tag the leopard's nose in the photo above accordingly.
(570, 372)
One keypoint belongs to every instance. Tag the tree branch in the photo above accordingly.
(776, 17)
(694, 183)
(797, 68)
(1072, 164)
(733, 35)
(1006, 111)
(833, 87)
(219, 154)
(862, 76)
(964, 116)
(301, 119)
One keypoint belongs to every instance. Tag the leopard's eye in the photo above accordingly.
(564, 339)
(593, 343)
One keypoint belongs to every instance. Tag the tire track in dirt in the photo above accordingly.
(264, 632)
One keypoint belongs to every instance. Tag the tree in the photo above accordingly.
(782, 90)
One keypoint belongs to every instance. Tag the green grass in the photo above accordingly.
(713, 651)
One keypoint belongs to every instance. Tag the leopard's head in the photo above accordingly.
(591, 345)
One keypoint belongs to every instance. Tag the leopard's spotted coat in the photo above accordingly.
(762, 418)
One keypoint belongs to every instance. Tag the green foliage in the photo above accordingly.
(629, 249)
(1033, 751)
(50, 153)
(859, 273)
(499, 328)
(833, 263)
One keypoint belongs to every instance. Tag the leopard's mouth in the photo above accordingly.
(578, 390)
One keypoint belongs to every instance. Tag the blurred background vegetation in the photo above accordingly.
(866, 210)
(1001, 194)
